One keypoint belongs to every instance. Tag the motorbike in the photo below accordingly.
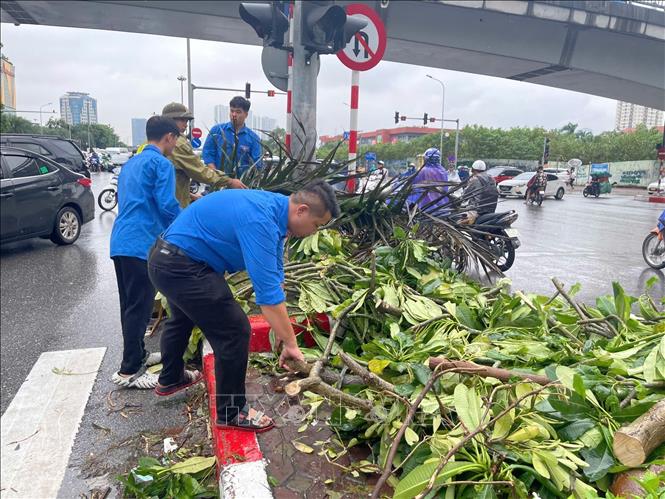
(108, 197)
(493, 231)
(537, 197)
(653, 247)
(598, 184)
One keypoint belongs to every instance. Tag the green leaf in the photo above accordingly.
(410, 436)
(539, 465)
(503, 425)
(468, 406)
(421, 372)
(416, 481)
(378, 365)
(193, 465)
(575, 430)
(599, 459)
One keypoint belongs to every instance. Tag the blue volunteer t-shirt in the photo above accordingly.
(146, 203)
(234, 230)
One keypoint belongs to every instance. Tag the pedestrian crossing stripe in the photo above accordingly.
(39, 426)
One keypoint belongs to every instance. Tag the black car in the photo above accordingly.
(41, 198)
(62, 151)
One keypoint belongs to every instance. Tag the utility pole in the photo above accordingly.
(182, 80)
(40, 115)
(443, 97)
(305, 71)
(190, 87)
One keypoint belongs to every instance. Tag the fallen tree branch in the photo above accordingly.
(550, 321)
(369, 378)
(475, 432)
(387, 468)
(634, 442)
(465, 367)
(329, 376)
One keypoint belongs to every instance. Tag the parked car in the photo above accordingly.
(41, 198)
(653, 189)
(62, 151)
(517, 186)
(501, 173)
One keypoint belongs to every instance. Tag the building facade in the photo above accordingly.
(138, 131)
(7, 84)
(254, 121)
(385, 135)
(631, 115)
(221, 113)
(77, 108)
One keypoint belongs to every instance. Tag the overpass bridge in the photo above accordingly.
(613, 49)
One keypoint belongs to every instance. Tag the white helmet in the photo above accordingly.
(479, 165)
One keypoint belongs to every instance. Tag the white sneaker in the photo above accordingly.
(153, 359)
(147, 381)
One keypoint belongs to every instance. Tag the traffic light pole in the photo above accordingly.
(305, 71)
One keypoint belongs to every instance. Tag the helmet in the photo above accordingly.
(176, 110)
(381, 163)
(479, 165)
(432, 156)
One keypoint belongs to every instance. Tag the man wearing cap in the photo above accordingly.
(481, 191)
(187, 165)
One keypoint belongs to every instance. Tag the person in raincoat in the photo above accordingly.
(429, 185)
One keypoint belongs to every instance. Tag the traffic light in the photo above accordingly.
(425, 119)
(432, 120)
(326, 29)
(402, 118)
(271, 93)
(268, 20)
(248, 90)
(396, 117)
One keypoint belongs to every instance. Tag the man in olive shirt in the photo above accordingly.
(188, 166)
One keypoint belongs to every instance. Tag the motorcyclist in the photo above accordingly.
(429, 185)
(481, 192)
(537, 183)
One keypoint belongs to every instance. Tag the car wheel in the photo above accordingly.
(67, 226)
(560, 193)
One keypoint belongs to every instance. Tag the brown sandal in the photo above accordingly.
(243, 422)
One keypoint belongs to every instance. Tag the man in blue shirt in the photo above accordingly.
(228, 231)
(232, 146)
(146, 206)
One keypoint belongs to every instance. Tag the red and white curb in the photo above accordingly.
(241, 467)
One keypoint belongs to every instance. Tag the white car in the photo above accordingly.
(562, 173)
(653, 188)
(119, 155)
(517, 186)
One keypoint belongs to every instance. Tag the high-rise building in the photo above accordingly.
(631, 115)
(138, 131)
(7, 84)
(77, 108)
(254, 121)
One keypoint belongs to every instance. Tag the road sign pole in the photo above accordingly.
(305, 71)
(353, 130)
(289, 90)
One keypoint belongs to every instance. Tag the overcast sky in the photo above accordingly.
(134, 75)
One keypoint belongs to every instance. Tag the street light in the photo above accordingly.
(40, 113)
(182, 80)
(443, 97)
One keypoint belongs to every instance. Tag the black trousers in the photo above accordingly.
(198, 295)
(137, 295)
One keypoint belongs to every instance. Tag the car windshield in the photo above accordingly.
(524, 176)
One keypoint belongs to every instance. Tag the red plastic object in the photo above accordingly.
(231, 446)
(259, 340)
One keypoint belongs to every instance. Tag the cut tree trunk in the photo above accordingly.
(634, 442)
(464, 367)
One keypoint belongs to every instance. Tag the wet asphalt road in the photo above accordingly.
(59, 298)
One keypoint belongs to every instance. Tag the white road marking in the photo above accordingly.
(39, 426)
(244, 481)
